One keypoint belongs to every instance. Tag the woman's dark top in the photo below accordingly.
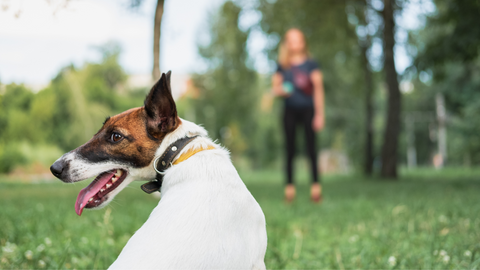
(301, 96)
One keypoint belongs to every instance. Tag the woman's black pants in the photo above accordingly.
(291, 119)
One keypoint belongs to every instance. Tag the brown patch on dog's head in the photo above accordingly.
(132, 137)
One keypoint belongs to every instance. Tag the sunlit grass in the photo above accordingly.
(422, 221)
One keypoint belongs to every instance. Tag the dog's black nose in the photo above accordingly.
(57, 168)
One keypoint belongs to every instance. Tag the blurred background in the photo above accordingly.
(402, 89)
(66, 65)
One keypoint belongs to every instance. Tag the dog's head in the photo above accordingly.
(122, 149)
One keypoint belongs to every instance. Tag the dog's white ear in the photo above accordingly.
(161, 112)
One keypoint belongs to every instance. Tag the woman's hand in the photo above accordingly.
(318, 122)
(277, 88)
(318, 100)
(278, 91)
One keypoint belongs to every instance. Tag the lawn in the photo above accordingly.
(428, 219)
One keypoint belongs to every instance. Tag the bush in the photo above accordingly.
(10, 156)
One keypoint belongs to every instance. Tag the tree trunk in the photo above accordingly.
(368, 165)
(157, 27)
(390, 142)
(365, 43)
(442, 131)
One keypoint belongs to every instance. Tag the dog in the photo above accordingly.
(206, 217)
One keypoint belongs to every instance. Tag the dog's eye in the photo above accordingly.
(116, 137)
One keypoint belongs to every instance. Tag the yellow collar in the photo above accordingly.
(190, 153)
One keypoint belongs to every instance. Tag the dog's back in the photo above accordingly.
(206, 219)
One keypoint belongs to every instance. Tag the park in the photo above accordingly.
(398, 155)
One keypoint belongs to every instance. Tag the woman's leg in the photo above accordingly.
(289, 122)
(316, 188)
(289, 130)
(310, 142)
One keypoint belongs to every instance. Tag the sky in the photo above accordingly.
(39, 37)
(46, 37)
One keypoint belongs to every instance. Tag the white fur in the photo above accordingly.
(206, 218)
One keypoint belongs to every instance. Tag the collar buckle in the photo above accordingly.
(163, 162)
(155, 165)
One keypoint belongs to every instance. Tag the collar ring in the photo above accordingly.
(155, 162)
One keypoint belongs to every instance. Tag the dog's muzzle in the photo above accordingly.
(59, 168)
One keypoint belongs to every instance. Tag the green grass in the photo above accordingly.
(429, 220)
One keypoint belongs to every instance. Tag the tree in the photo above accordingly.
(157, 30)
(365, 44)
(392, 130)
(228, 102)
(65, 114)
(333, 42)
(364, 12)
(448, 62)
(451, 36)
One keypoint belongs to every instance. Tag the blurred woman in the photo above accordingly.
(299, 82)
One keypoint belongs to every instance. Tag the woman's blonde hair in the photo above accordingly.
(284, 54)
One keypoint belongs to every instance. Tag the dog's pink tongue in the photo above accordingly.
(92, 189)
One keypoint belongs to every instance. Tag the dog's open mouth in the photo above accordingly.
(95, 193)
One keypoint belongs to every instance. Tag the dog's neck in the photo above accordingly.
(185, 129)
(169, 158)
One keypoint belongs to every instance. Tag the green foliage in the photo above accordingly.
(10, 156)
(421, 103)
(228, 105)
(103, 78)
(230, 95)
(16, 103)
(334, 44)
(450, 36)
(65, 114)
(465, 143)
(449, 61)
(360, 224)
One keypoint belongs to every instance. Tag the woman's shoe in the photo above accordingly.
(316, 193)
(289, 193)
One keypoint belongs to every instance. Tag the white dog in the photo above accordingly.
(206, 218)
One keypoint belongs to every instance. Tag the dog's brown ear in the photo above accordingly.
(161, 112)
